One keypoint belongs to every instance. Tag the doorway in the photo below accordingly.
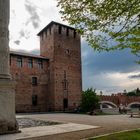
(65, 104)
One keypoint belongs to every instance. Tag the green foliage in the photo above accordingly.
(90, 100)
(133, 93)
(130, 135)
(103, 21)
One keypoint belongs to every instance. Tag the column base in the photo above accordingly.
(8, 123)
(5, 76)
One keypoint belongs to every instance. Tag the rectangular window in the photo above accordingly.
(30, 63)
(40, 64)
(59, 29)
(19, 61)
(65, 103)
(34, 100)
(67, 32)
(34, 81)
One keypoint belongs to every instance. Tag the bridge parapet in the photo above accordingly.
(120, 99)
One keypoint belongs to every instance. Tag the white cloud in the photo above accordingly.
(112, 82)
(47, 11)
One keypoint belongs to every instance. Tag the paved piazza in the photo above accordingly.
(107, 123)
(74, 126)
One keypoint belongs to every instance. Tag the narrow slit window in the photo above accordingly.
(67, 32)
(50, 31)
(65, 83)
(10, 60)
(46, 33)
(60, 29)
(74, 34)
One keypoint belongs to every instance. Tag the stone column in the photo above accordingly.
(4, 39)
(7, 86)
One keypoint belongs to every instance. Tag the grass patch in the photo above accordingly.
(131, 135)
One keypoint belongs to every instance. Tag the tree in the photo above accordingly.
(90, 100)
(135, 92)
(106, 24)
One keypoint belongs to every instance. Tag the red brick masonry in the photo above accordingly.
(120, 99)
(52, 80)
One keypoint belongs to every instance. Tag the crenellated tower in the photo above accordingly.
(62, 45)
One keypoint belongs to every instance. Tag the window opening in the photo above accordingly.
(34, 81)
(67, 32)
(19, 61)
(30, 63)
(60, 29)
(74, 34)
(34, 100)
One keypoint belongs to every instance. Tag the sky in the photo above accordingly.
(107, 72)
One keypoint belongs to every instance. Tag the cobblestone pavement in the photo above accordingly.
(107, 123)
(29, 122)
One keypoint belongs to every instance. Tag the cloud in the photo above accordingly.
(17, 42)
(110, 71)
(24, 33)
(118, 61)
(134, 76)
(34, 17)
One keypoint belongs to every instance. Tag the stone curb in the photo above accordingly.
(44, 131)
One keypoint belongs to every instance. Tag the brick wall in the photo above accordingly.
(59, 83)
(25, 90)
(63, 48)
(120, 99)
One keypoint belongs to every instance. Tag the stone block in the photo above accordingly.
(3, 126)
(7, 106)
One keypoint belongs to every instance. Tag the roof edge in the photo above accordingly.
(28, 55)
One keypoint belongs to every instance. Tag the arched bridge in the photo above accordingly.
(117, 100)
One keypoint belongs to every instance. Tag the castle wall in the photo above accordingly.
(25, 89)
(62, 47)
(67, 67)
(120, 99)
(59, 81)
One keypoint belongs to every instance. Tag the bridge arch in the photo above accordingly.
(108, 103)
(134, 105)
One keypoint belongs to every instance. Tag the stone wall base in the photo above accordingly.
(8, 122)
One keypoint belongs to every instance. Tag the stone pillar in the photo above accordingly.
(7, 86)
(4, 39)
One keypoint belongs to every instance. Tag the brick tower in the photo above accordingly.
(61, 44)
